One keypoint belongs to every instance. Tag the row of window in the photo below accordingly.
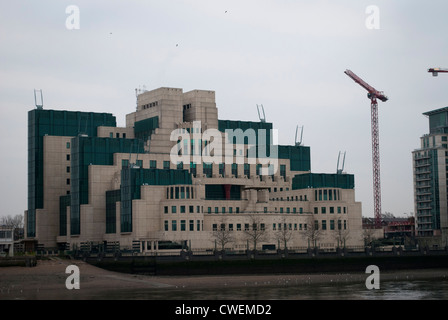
(292, 198)
(340, 224)
(193, 225)
(327, 195)
(183, 209)
(150, 105)
(117, 135)
(331, 210)
(207, 168)
(216, 210)
(186, 192)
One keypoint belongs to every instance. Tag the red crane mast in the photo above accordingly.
(373, 94)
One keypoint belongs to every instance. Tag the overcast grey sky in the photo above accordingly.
(288, 55)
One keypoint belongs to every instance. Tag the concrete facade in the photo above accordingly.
(220, 206)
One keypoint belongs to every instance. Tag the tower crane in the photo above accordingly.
(373, 95)
(435, 71)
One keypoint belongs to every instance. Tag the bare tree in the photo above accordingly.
(284, 232)
(222, 235)
(368, 235)
(341, 233)
(9, 221)
(312, 231)
(13, 222)
(255, 230)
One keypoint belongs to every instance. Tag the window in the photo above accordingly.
(193, 168)
(237, 210)
(274, 226)
(230, 210)
(283, 171)
(182, 225)
(238, 226)
(166, 165)
(230, 226)
(331, 210)
(324, 224)
(215, 227)
(316, 210)
(345, 209)
(216, 210)
(68, 145)
(111, 134)
(117, 135)
(209, 210)
(246, 227)
(174, 225)
(207, 169)
(68, 169)
(339, 225)
(124, 163)
(323, 210)
(235, 169)
(247, 170)
(165, 209)
(68, 181)
(339, 209)
(222, 169)
(281, 210)
(198, 225)
(198, 209)
(124, 135)
(182, 192)
(166, 225)
(223, 209)
(173, 209)
(68, 157)
(316, 225)
(191, 223)
(331, 224)
(191, 209)
(182, 209)
(152, 164)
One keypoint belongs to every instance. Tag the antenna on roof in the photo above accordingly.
(298, 142)
(41, 103)
(262, 118)
(339, 171)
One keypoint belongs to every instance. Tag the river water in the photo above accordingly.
(389, 290)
